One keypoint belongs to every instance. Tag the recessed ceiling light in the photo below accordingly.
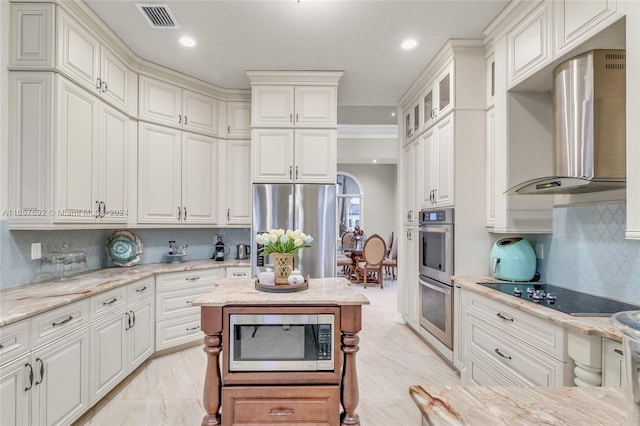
(187, 41)
(409, 44)
(375, 161)
(393, 114)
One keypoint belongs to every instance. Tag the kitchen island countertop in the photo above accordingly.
(481, 405)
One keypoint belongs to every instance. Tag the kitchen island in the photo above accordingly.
(271, 395)
(494, 406)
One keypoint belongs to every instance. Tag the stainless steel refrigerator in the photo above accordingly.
(308, 207)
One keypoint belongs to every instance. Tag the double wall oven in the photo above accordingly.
(435, 271)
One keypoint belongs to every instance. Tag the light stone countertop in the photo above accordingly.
(27, 300)
(321, 291)
(586, 325)
(493, 406)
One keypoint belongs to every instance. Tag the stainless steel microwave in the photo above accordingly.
(274, 342)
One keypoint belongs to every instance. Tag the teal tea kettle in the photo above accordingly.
(513, 259)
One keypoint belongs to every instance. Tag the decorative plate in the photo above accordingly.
(124, 248)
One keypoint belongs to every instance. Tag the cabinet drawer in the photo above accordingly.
(482, 372)
(613, 366)
(177, 303)
(14, 340)
(59, 322)
(178, 280)
(534, 367)
(238, 272)
(140, 290)
(176, 331)
(110, 301)
(534, 331)
(300, 405)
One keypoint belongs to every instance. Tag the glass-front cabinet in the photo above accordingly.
(438, 100)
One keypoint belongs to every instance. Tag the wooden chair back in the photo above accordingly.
(374, 250)
(348, 241)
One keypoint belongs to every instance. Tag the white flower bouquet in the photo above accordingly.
(281, 241)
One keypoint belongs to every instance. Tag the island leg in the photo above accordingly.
(211, 325)
(351, 323)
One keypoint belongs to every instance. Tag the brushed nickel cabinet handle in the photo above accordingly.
(64, 321)
(30, 376)
(41, 371)
(499, 315)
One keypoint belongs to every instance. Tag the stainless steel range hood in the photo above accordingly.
(589, 126)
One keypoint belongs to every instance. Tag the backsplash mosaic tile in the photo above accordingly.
(588, 252)
(15, 246)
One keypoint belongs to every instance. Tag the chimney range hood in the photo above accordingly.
(589, 126)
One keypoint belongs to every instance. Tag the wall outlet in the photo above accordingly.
(36, 251)
(539, 251)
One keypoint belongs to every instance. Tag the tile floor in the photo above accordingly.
(167, 390)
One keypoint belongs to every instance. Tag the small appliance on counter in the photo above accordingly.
(220, 251)
(243, 251)
(513, 259)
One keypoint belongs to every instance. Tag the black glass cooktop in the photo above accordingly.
(564, 300)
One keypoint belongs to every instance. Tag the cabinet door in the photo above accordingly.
(76, 179)
(160, 102)
(428, 107)
(199, 179)
(159, 174)
(409, 251)
(141, 342)
(315, 106)
(529, 45)
(272, 155)
(238, 182)
(239, 120)
(200, 113)
(78, 52)
(114, 75)
(108, 354)
(443, 163)
(61, 394)
(14, 398)
(410, 179)
(112, 165)
(613, 366)
(459, 342)
(315, 155)
(444, 89)
(579, 20)
(272, 106)
(32, 38)
(428, 154)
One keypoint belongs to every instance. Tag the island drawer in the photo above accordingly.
(534, 331)
(187, 279)
(299, 405)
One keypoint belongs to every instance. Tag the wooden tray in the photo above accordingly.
(283, 288)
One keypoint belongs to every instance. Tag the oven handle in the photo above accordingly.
(443, 229)
(442, 288)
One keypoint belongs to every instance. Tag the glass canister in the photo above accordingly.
(628, 322)
(63, 264)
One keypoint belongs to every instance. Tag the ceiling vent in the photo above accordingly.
(158, 15)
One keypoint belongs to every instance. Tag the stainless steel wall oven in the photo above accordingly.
(435, 271)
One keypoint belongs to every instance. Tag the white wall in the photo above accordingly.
(378, 183)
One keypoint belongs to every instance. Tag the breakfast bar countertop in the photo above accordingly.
(585, 325)
(493, 406)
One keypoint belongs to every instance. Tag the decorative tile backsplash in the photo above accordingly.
(15, 247)
(588, 252)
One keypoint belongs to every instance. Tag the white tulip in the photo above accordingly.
(308, 239)
(284, 239)
(296, 233)
(298, 242)
(259, 239)
(280, 232)
(273, 238)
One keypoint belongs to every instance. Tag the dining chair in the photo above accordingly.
(343, 259)
(390, 262)
(370, 267)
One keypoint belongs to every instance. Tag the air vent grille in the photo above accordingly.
(614, 56)
(614, 66)
(158, 15)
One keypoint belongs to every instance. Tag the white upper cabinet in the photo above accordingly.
(238, 120)
(410, 180)
(289, 106)
(437, 160)
(173, 106)
(529, 44)
(304, 156)
(47, 37)
(578, 20)
(176, 176)
(237, 182)
(438, 99)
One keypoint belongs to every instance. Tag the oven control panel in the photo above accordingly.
(436, 216)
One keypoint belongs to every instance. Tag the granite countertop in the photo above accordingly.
(321, 291)
(586, 325)
(481, 405)
(27, 300)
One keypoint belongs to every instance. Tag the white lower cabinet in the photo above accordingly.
(410, 285)
(613, 367)
(177, 320)
(14, 392)
(122, 334)
(459, 341)
(501, 345)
